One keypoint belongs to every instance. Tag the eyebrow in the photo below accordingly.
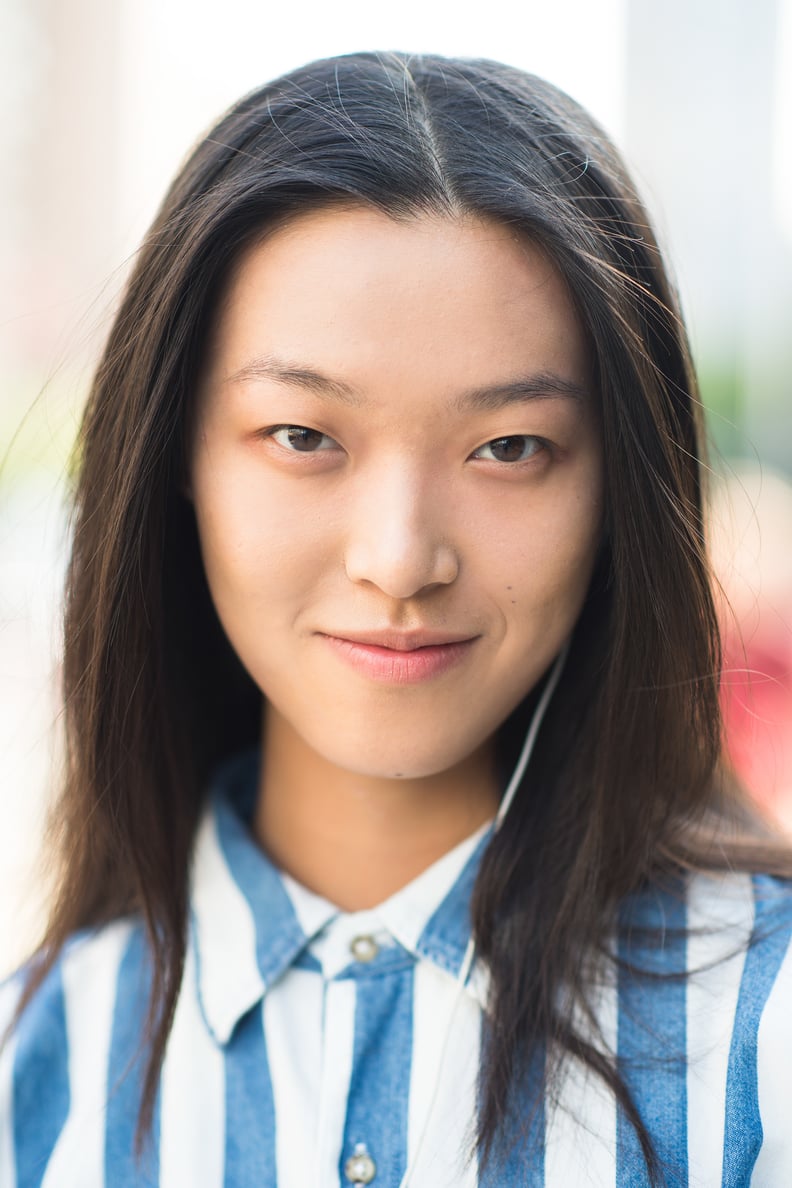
(545, 385)
(268, 367)
(542, 385)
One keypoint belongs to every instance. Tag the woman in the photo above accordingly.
(395, 844)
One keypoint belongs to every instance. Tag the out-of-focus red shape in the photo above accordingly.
(756, 694)
(751, 545)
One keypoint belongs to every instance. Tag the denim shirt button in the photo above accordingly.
(364, 948)
(360, 1168)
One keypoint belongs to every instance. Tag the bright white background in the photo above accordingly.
(190, 62)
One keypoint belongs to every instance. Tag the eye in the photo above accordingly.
(301, 440)
(517, 448)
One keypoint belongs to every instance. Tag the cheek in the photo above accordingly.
(228, 531)
(539, 555)
(258, 543)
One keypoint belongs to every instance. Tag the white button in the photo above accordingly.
(364, 948)
(360, 1168)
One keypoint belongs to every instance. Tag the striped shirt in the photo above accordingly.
(308, 1050)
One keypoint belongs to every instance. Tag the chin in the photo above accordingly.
(396, 763)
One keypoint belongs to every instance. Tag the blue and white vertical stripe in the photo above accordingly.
(308, 1042)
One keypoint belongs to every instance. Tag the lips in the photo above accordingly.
(401, 657)
(402, 641)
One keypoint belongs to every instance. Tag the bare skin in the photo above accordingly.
(397, 479)
(362, 838)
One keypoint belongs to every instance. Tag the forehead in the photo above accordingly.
(383, 304)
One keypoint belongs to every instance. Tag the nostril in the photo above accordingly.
(401, 569)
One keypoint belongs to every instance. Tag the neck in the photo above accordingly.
(353, 838)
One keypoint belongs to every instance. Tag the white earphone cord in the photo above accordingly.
(470, 951)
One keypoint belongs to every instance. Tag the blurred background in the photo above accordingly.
(101, 99)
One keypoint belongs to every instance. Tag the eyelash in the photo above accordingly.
(539, 443)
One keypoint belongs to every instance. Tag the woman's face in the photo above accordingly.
(397, 478)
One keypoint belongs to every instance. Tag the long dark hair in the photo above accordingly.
(623, 786)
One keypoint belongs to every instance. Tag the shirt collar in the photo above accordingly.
(250, 923)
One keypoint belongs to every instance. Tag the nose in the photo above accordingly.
(399, 537)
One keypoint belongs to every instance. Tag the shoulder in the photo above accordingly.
(709, 961)
(739, 944)
(739, 1014)
(86, 971)
(705, 1025)
(744, 921)
(752, 911)
(693, 921)
(68, 1026)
